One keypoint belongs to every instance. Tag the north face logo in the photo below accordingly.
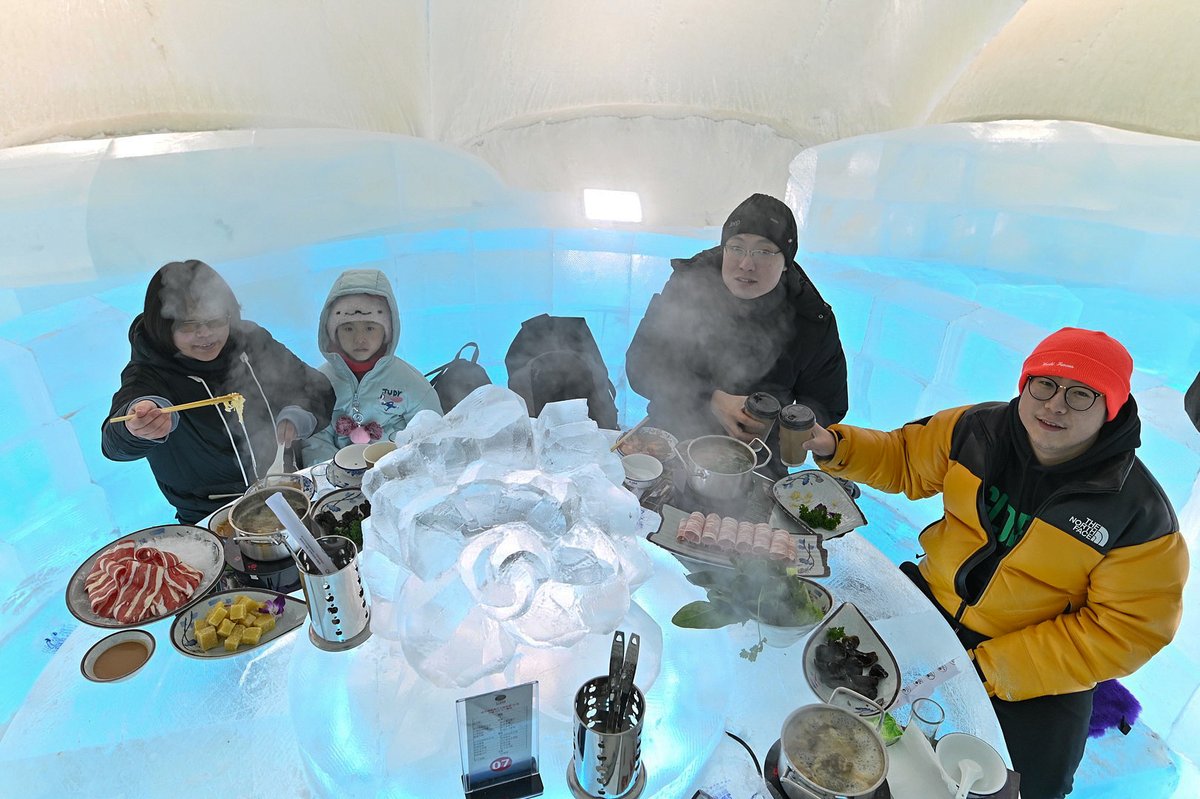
(1092, 531)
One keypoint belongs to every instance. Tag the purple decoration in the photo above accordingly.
(1112, 706)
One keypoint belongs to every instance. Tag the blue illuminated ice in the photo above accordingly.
(946, 252)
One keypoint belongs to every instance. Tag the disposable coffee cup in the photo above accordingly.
(795, 428)
(763, 408)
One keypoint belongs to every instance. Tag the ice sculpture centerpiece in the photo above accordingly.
(498, 531)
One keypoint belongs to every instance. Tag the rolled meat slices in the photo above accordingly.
(779, 544)
(689, 528)
(727, 536)
(745, 537)
(762, 539)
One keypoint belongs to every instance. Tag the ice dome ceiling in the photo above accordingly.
(689, 102)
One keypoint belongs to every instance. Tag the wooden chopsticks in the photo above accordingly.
(229, 400)
(621, 438)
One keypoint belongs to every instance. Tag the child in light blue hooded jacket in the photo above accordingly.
(377, 393)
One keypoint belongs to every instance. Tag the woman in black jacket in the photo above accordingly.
(191, 343)
(736, 319)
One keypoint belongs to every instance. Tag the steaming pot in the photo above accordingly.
(830, 751)
(720, 467)
(259, 534)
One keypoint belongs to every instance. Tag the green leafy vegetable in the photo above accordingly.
(819, 517)
(753, 652)
(755, 589)
(891, 729)
(835, 633)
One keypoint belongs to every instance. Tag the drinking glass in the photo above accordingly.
(928, 715)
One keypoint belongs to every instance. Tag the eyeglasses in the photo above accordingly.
(1079, 398)
(193, 327)
(760, 257)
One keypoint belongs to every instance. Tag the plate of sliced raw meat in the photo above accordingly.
(145, 576)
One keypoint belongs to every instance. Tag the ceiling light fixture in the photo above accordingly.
(612, 206)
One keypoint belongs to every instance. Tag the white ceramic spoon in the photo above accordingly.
(968, 773)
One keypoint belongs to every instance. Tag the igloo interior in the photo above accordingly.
(967, 178)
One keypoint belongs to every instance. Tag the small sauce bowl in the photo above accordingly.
(117, 656)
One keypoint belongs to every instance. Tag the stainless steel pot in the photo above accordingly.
(720, 467)
(831, 751)
(258, 533)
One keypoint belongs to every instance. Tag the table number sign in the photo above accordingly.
(498, 743)
(923, 686)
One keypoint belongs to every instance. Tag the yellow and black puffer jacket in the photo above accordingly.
(1090, 592)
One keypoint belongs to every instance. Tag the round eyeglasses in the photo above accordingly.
(1078, 398)
(191, 328)
(759, 257)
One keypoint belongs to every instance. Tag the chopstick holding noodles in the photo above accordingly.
(232, 402)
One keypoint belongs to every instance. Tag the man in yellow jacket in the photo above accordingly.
(1058, 561)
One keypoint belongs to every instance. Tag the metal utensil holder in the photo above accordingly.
(337, 603)
(606, 765)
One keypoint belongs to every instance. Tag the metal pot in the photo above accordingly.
(831, 751)
(258, 533)
(720, 467)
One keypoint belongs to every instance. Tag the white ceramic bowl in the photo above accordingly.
(299, 482)
(641, 470)
(956, 746)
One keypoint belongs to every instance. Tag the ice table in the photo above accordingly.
(187, 727)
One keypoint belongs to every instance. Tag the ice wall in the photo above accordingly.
(948, 252)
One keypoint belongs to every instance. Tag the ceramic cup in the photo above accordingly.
(348, 467)
(641, 471)
(375, 452)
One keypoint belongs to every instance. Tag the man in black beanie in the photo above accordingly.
(735, 319)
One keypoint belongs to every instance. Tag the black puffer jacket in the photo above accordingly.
(697, 337)
(209, 452)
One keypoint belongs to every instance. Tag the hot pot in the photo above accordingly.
(257, 531)
(830, 751)
(721, 467)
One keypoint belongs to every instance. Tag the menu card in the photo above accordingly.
(498, 740)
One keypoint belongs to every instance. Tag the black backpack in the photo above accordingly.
(455, 380)
(555, 358)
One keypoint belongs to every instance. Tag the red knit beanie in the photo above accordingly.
(1088, 356)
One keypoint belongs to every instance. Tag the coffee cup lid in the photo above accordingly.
(797, 416)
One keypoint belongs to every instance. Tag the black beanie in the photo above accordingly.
(764, 216)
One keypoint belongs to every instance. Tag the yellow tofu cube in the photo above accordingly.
(251, 635)
(234, 640)
(207, 638)
(217, 615)
(237, 612)
(225, 628)
(241, 599)
(201, 624)
(265, 622)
